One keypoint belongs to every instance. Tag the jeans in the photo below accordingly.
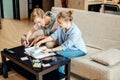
(69, 54)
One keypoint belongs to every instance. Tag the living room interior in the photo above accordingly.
(99, 18)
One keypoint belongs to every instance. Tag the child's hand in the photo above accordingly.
(26, 43)
(37, 44)
(36, 40)
(46, 50)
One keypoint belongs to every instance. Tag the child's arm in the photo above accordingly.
(49, 38)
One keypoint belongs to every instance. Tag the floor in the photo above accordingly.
(10, 36)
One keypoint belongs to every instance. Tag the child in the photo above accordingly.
(44, 21)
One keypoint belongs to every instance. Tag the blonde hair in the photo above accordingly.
(65, 15)
(37, 12)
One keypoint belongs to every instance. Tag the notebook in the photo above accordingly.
(35, 52)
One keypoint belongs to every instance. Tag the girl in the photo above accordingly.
(70, 40)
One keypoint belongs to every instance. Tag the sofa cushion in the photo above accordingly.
(109, 57)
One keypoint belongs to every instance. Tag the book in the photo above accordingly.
(35, 52)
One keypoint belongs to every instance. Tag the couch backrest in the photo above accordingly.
(99, 30)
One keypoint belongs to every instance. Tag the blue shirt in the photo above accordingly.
(71, 39)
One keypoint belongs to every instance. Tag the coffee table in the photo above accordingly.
(27, 64)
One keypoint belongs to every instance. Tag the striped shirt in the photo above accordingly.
(51, 27)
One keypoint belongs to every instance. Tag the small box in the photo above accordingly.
(37, 65)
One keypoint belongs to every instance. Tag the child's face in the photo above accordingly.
(39, 21)
(62, 23)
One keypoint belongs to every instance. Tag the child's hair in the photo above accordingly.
(36, 12)
(65, 15)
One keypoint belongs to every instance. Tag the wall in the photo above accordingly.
(0, 15)
(57, 3)
(77, 4)
(8, 8)
(9, 12)
(23, 4)
(81, 4)
(47, 4)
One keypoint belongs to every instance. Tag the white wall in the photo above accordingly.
(23, 4)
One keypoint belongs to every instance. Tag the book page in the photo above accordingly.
(36, 52)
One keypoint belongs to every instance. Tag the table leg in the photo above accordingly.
(39, 77)
(67, 71)
(4, 66)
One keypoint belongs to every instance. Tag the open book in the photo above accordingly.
(35, 52)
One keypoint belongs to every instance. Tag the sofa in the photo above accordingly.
(101, 32)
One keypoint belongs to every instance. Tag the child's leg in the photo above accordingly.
(23, 38)
(70, 54)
